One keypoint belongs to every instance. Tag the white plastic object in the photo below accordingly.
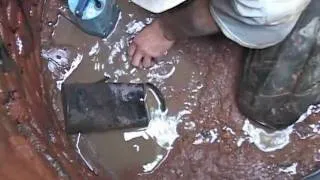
(91, 10)
(157, 6)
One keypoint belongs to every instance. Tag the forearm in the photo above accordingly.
(192, 20)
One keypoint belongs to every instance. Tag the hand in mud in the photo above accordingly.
(150, 43)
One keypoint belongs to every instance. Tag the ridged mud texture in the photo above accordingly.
(33, 144)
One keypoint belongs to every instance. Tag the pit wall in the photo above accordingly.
(33, 144)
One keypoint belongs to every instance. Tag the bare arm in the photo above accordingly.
(193, 19)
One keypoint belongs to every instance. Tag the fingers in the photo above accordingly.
(147, 61)
(135, 55)
(137, 58)
(132, 49)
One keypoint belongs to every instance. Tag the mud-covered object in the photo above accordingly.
(97, 107)
(279, 83)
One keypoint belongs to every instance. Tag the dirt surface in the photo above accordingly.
(206, 137)
(214, 140)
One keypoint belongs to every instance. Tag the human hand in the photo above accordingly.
(150, 43)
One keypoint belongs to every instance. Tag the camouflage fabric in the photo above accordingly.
(279, 83)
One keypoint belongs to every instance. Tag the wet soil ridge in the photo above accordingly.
(33, 143)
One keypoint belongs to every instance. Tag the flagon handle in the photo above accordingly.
(158, 95)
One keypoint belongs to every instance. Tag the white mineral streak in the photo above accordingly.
(163, 129)
(210, 138)
(269, 142)
(292, 170)
(75, 63)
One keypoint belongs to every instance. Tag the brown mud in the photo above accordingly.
(33, 142)
(203, 83)
(211, 63)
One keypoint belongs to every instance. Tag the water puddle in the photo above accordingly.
(77, 57)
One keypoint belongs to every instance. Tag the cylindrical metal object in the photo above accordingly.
(96, 107)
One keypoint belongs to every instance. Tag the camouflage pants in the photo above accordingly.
(279, 83)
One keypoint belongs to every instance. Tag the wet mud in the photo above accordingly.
(33, 142)
(203, 135)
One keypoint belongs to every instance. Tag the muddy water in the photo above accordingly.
(203, 136)
(176, 75)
